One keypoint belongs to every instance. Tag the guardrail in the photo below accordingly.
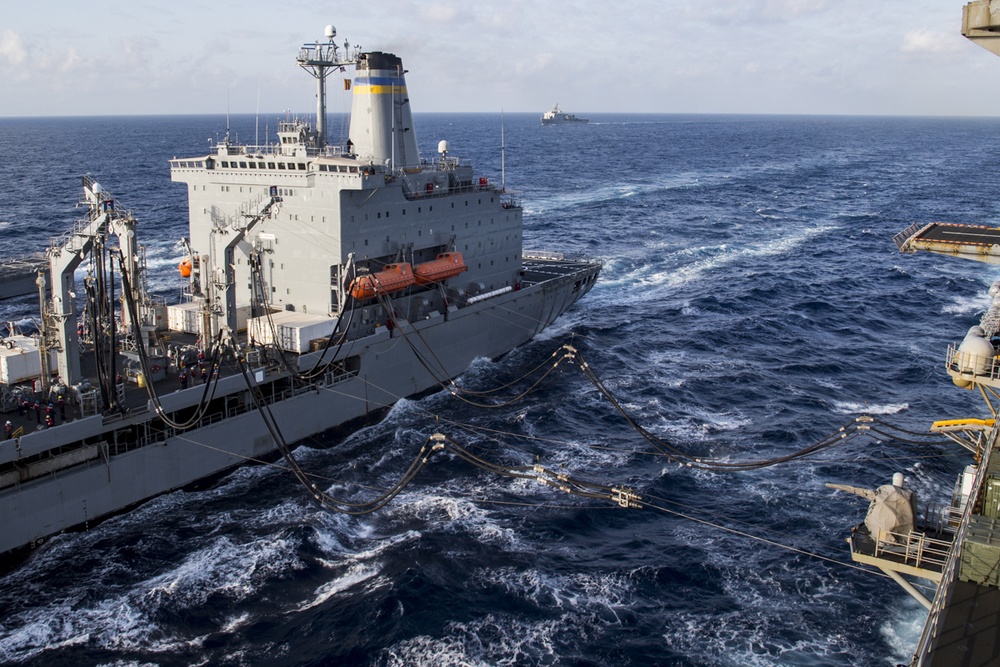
(915, 548)
(949, 575)
(972, 367)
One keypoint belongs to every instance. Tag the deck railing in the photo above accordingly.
(972, 367)
(926, 645)
(915, 548)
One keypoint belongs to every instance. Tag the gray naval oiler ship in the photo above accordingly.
(326, 282)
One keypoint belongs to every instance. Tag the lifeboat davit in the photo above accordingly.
(185, 267)
(392, 278)
(447, 265)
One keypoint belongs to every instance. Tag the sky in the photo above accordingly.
(859, 57)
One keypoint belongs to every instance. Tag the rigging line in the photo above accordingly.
(319, 368)
(321, 497)
(387, 303)
(490, 501)
(494, 390)
(568, 480)
(451, 422)
(208, 393)
(390, 308)
(456, 391)
(716, 515)
(910, 443)
(498, 432)
(837, 438)
(906, 441)
(561, 481)
(765, 540)
(480, 499)
(894, 427)
(336, 480)
(533, 328)
(434, 443)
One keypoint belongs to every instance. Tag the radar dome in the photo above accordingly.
(330, 32)
(975, 356)
(443, 146)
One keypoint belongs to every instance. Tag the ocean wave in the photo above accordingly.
(856, 408)
(129, 620)
(750, 295)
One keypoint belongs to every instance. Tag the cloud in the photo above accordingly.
(439, 13)
(12, 50)
(755, 12)
(927, 41)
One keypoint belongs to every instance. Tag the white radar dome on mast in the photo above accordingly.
(330, 32)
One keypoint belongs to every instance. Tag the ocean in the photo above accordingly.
(751, 303)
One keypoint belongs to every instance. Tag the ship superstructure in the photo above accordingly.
(954, 544)
(556, 116)
(325, 281)
(345, 210)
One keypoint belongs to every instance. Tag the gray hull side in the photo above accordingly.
(74, 497)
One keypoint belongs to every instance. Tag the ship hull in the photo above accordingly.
(106, 483)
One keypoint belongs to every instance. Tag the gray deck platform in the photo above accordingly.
(969, 629)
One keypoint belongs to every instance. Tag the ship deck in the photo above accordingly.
(537, 268)
(945, 238)
(968, 628)
(136, 397)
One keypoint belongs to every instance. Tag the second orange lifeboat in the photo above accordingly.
(392, 278)
(447, 265)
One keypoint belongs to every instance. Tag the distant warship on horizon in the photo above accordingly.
(555, 116)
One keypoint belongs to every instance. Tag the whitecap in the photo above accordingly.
(855, 408)
(902, 630)
(355, 575)
(967, 305)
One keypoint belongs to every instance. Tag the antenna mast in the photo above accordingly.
(317, 59)
(503, 171)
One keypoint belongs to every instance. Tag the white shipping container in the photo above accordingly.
(23, 360)
(160, 316)
(184, 317)
(294, 330)
(242, 316)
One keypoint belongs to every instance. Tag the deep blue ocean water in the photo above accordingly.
(751, 303)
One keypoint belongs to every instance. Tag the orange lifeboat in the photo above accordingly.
(392, 278)
(185, 267)
(447, 265)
